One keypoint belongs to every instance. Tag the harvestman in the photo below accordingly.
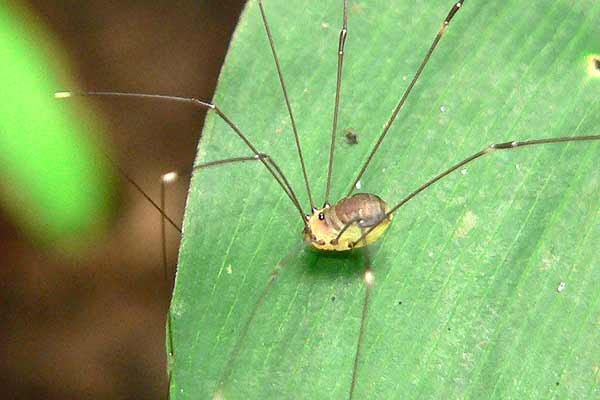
(355, 221)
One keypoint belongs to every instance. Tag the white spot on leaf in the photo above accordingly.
(218, 395)
(468, 222)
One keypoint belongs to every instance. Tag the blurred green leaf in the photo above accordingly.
(465, 302)
(55, 183)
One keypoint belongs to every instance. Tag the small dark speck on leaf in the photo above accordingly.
(400, 303)
(594, 65)
(351, 137)
(332, 298)
(557, 384)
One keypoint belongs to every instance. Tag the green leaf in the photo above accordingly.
(466, 301)
(54, 182)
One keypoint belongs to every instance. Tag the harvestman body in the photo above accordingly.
(357, 220)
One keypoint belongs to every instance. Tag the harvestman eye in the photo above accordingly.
(357, 220)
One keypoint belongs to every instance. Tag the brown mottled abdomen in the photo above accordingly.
(364, 208)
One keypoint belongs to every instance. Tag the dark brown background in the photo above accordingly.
(91, 325)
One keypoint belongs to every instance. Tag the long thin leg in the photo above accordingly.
(168, 178)
(287, 101)
(227, 161)
(408, 90)
(143, 193)
(262, 156)
(203, 105)
(487, 150)
(165, 180)
(338, 86)
(348, 224)
(171, 353)
(246, 327)
(369, 280)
